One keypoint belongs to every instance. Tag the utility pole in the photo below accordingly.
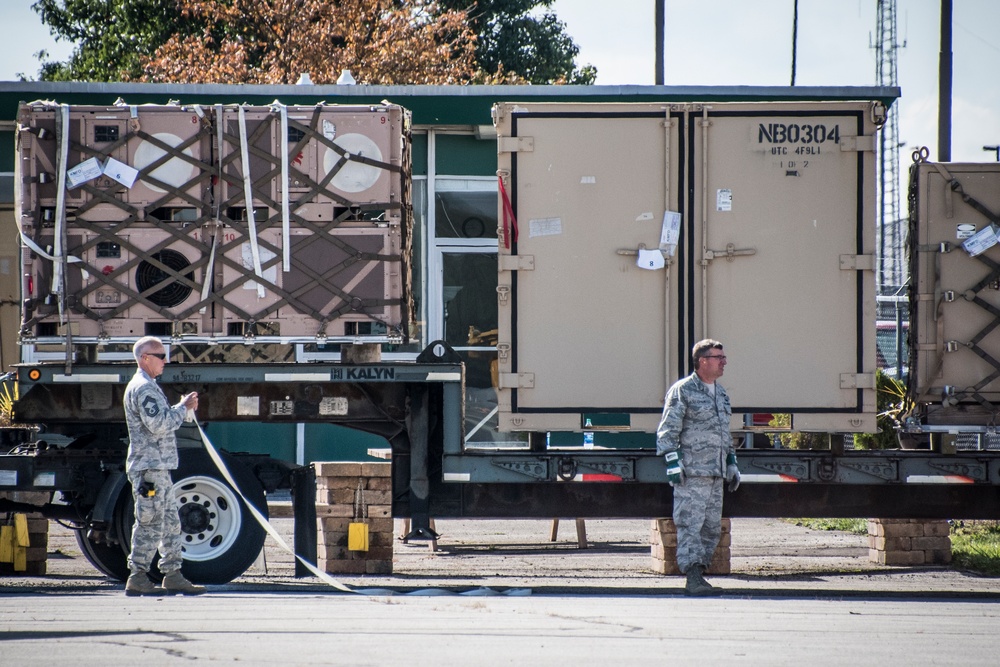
(944, 85)
(795, 36)
(659, 19)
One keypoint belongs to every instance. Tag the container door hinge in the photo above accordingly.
(857, 380)
(517, 262)
(857, 262)
(515, 144)
(865, 142)
(516, 380)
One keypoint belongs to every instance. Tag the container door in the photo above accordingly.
(589, 329)
(783, 219)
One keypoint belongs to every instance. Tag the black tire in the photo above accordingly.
(111, 559)
(221, 537)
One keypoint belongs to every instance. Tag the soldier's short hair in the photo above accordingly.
(702, 347)
(142, 345)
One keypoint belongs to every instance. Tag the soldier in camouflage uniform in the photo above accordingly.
(152, 454)
(694, 438)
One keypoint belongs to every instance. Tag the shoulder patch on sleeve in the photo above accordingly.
(150, 406)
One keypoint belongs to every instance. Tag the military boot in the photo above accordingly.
(696, 585)
(174, 582)
(139, 583)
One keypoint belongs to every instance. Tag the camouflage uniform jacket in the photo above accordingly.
(152, 423)
(696, 423)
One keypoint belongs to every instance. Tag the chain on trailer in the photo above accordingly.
(972, 294)
(258, 239)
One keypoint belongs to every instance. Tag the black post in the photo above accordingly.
(944, 85)
(304, 511)
(658, 19)
(795, 36)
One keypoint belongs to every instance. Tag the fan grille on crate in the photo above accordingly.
(148, 275)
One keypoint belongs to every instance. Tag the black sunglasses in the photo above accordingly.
(159, 355)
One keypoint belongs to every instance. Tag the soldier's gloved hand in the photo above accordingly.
(732, 473)
(675, 469)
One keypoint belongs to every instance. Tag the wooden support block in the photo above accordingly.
(6, 544)
(21, 529)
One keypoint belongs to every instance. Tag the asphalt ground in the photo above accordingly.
(500, 593)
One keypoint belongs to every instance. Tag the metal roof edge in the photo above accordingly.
(526, 91)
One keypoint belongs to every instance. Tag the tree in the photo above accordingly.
(274, 41)
(111, 36)
(516, 45)
(266, 41)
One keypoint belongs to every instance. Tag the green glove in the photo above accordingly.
(732, 472)
(675, 469)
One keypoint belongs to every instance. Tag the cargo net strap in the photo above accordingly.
(971, 295)
(230, 248)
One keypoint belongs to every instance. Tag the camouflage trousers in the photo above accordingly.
(698, 518)
(157, 524)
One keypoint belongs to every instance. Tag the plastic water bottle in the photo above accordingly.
(588, 436)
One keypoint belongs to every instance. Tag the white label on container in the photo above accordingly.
(982, 241)
(248, 406)
(724, 199)
(651, 260)
(83, 172)
(120, 172)
(333, 405)
(45, 479)
(648, 215)
(544, 227)
(965, 231)
(8, 478)
(588, 180)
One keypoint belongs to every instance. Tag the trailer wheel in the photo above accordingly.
(221, 537)
(111, 558)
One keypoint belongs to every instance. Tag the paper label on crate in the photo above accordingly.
(333, 405)
(329, 130)
(544, 227)
(45, 479)
(981, 241)
(724, 199)
(87, 170)
(651, 260)
(248, 406)
(965, 230)
(670, 232)
(120, 172)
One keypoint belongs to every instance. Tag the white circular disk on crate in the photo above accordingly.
(354, 176)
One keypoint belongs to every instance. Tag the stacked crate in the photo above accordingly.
(909, 541)
(336, 485)
(24, 543)
(663, 543)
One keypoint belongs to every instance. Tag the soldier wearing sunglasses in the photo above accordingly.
(152, 453)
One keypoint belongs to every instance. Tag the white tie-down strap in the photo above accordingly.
(286, 250)
(41, 252)
(248, 196)
(220, 131)
(58, 250)
(206, 284)
(482, 591)
(260, 517)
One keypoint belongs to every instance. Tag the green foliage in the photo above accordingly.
(514, 40)
(796, 440)
(111, 36)
(975, 545)
(891, 403)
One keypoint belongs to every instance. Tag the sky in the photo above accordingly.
(743, 42)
